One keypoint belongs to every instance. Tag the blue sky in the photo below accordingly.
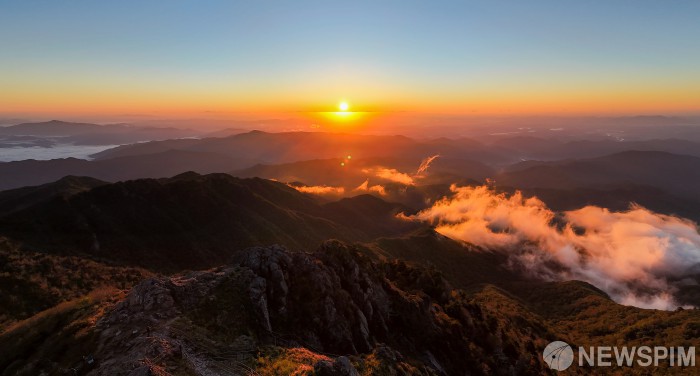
(281, 55)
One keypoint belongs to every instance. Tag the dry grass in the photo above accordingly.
(294, 361)
(31, 282)
(56, 337)
(95, 297)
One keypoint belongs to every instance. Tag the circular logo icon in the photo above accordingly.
(558, 355)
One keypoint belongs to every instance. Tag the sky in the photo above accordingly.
(216, 58)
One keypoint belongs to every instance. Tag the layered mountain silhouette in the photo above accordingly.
(21, 198)
(535, 148)
(676, 174)
(190, 220)
(94, 134)
(355, 171)
(163, 164)
(287, 147)
(313, 158)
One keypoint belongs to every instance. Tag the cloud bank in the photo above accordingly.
(319, 189)
(638, 257)
(396, 176)
(365, 187)
(390, 174)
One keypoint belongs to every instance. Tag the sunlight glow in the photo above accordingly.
(341, 115)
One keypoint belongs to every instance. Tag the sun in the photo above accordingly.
(344, 114)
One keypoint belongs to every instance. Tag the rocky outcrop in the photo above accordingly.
(335, 301)
(341, 366)
(136, 336)
(325, 299)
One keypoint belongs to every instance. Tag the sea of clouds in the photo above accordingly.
(638, 257)
(9, 154)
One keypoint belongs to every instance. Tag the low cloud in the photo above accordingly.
(365, 187)
(390, 174)
(425, 164)
(396, 176)
(319, 189)
(637, 256)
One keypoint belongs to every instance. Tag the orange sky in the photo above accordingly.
(287, 59)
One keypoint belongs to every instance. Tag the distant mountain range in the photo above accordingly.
(94, 134)
(299, 156)
(532, 148)
(162, 164)
(353, 172)
(676, 174)
(287, 147)
(662, 181)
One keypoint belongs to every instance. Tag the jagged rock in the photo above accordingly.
(324, 368)
(387, 353)
(258, 290)
(335, 300)
(341, 366)
(433, 363)
(269, 262)
(333, 293)
(192, 287)
(148, 297)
